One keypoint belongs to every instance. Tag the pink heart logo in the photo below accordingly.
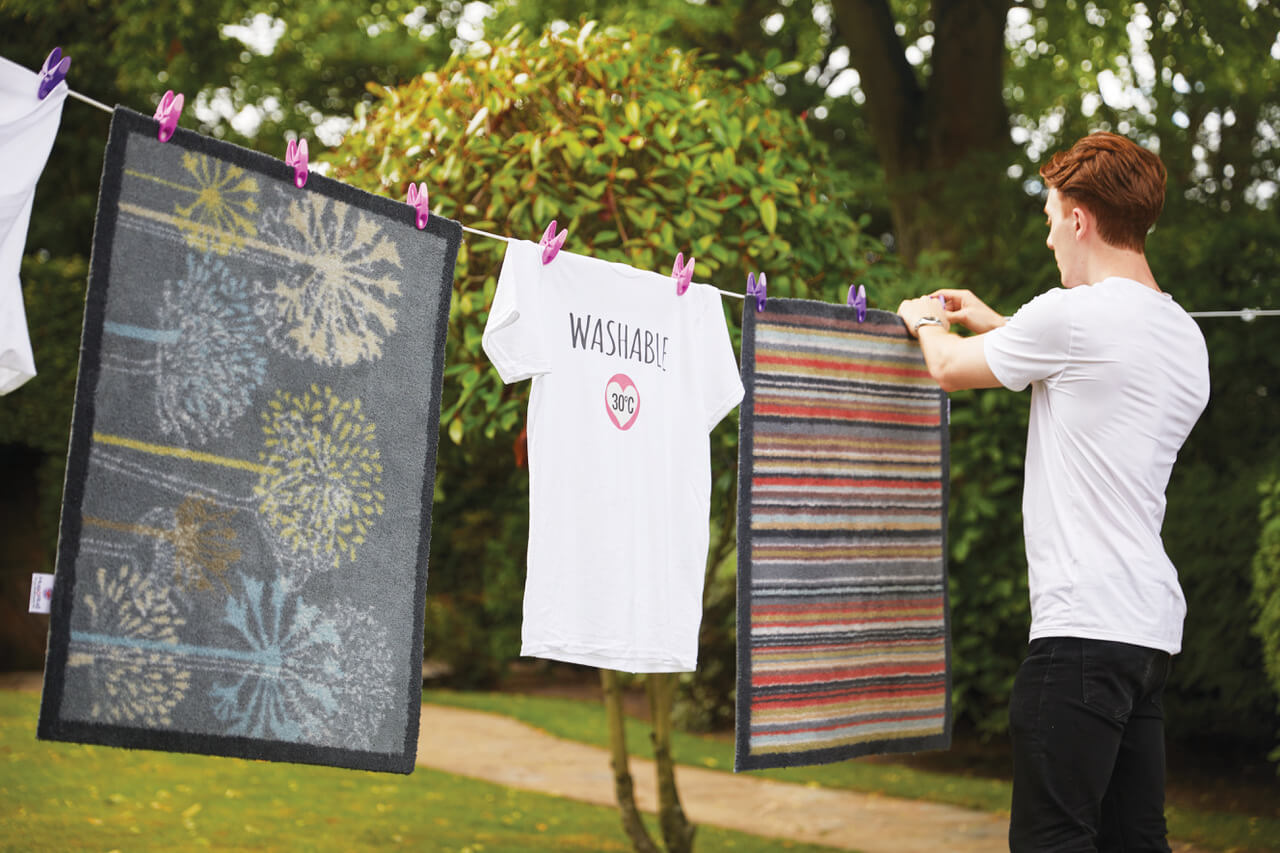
(622, 401)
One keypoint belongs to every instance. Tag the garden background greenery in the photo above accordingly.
(893, 143)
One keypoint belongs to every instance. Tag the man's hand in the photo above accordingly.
(968, 310)
(955, 362)
(913, 310)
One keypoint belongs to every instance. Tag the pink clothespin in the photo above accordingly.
(54, 72)
(681, 273)
(295, 155)
(167, 113)
(756, 288)
(858, 300)
(551, 242)
(417, 199)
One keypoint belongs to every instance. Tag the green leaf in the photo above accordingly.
(768, 214)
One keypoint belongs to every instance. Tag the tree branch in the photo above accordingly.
(889, 82)
(624, 787)
(677, 831)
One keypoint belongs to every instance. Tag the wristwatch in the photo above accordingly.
(924, 321)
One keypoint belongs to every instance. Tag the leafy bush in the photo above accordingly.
(1218, 685)
(641, 153)
(1266, 587)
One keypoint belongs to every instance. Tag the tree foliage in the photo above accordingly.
(1197, 82)
(640, 152)
(1266, 586)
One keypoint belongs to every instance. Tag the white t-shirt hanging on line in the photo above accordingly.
(628, 380)
(28, 126)
(1119, 374)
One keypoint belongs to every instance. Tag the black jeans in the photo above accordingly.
(1088, 747)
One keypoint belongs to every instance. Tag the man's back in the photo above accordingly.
(1120, 376)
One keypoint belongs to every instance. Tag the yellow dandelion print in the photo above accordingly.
(320, 494)
(224, 212)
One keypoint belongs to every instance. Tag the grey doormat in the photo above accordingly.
(242, 559)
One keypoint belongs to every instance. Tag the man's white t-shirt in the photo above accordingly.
(628, 380)
(1119, 374)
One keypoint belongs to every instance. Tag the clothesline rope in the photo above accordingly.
(1246, 314)
(90, 101)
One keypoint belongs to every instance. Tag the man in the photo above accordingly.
(1119, 374)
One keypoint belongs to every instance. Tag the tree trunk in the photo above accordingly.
(623, 786)
(677, 831)
(935, 137)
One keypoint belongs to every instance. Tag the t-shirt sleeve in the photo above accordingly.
(722, 386)
(1034, 344)
(512, 336)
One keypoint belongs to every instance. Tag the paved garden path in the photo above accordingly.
(508, 752)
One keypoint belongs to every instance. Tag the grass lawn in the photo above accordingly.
(585, 722)
(57, 796)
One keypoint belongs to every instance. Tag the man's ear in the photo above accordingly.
(1081, 221)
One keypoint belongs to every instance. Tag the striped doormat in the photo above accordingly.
(242, 561)
(843, 630)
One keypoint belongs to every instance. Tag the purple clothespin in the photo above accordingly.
(167, 113)
(858, 300)
(551, 242)
(417, 199)
(756, 289)
(682, 273)
(295, 155)
(54, 72)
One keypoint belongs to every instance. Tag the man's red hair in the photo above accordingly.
(1118, 181)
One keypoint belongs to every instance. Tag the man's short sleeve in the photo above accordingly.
(513, 335)
(722, 386)
(1034, 344)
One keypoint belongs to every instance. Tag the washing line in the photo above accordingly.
(1246, 314)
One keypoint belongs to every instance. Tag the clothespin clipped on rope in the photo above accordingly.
(417, 199)
(54, 72)
(858, 299)
(757, 289)
(295, 155)
(681, 273)
(167, 112)
(551, 242)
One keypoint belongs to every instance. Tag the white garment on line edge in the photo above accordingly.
(1119, 375)
(28, 126)
(628, 380)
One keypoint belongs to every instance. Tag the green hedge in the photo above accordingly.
(1266, 587)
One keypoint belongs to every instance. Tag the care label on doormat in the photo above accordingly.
(41, 593)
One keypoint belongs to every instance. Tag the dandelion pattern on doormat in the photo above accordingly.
(843, 630)
(243, 553)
